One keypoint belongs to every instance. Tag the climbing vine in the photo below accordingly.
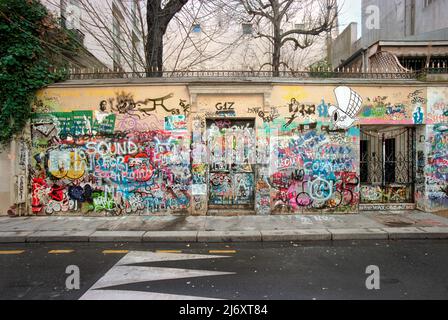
(32, 44)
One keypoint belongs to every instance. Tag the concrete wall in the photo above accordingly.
(343, 45)
(396, 22)
(432, 17)
(392, 21)
(145, 148)
(436, 147)
(5, 182)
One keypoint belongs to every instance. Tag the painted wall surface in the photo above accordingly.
(111, 151)
(5, 183)
(436, 172)
(158, 150)
(313, 166)
(437, 167)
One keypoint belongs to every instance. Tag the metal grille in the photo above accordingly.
(387, 166)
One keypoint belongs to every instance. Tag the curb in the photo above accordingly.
(412, 233)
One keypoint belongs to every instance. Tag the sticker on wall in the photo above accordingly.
(103, 123)
(349, 103)
(418, 115)
(199, 189)
(175, 123)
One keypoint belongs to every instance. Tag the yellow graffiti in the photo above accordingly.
(290, 92)
(66, 164)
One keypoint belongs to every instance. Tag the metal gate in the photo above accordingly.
(387, 164)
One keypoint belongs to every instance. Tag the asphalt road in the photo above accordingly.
(408, 270)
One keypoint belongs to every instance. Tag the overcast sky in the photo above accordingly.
(350, 12)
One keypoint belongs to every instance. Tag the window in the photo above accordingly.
(197, 28)
(428, 3)
(247, 28)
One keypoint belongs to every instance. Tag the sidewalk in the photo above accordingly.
(365, 226)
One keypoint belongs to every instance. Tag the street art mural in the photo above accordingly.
(349, 104)
(437, 169)
(156, 150)
(137, 172)
(114, 160)
(437, 105)
(314, 172)
(405, 108)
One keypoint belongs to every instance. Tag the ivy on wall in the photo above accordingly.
(32, 44)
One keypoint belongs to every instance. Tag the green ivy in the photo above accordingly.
(28, 37)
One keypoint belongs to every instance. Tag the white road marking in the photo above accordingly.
(124, 273)
(134, 295)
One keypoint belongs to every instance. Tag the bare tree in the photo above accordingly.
(217, 41)
(126, 33)
(272, 17)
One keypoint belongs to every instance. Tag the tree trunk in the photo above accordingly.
(158, 20)
(154, 52)
(276, 52)
(154, 41)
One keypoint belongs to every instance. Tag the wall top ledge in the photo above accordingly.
(239, 81)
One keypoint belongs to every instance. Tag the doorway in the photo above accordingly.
(231, 158)
(387, 163)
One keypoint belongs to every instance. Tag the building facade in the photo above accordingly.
(398, 36)
(255, 147)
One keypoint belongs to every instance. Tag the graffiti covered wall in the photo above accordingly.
(110, 151)
(155, 149)
(313, 164)
(436, 169)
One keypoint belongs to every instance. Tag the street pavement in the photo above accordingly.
(367, 225)
(409, 269)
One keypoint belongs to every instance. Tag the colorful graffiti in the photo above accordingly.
(437, 168)
(313, 172)
(388, 194)
(78, 169)
(437, 105)
(296, 151)
(407, 110)
(379, 107)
